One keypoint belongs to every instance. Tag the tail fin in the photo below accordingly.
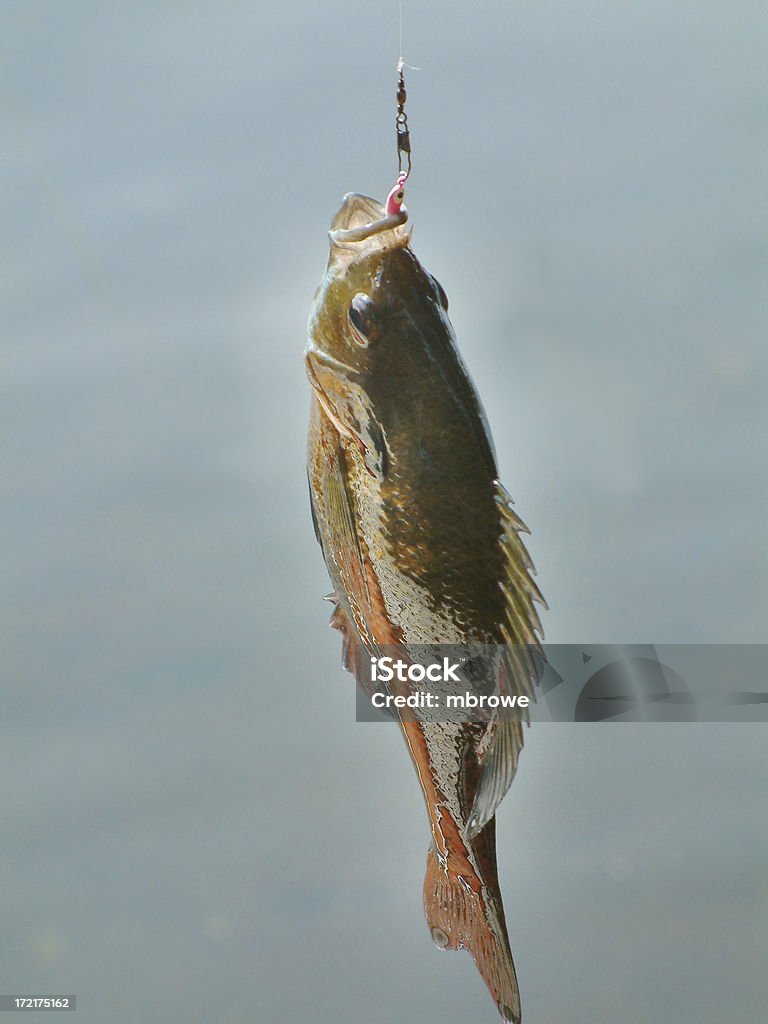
(463, 915)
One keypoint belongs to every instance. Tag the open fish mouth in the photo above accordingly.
(360, 217)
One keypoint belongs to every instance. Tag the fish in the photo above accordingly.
(422, 545)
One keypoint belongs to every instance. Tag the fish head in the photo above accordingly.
(374, 309)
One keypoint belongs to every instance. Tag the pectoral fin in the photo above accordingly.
(345, 403)
(330, 382)
(344, 550)
(341, 541)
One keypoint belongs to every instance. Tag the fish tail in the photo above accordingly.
(467, 913)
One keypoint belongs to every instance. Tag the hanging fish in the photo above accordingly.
(421, 544)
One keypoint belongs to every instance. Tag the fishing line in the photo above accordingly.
(401, 62)
(401, 120)
(400, 47)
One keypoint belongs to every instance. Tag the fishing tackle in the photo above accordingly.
(395, 211)
(401, 125)
(394, 201)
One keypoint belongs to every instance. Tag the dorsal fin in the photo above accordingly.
(520, 668)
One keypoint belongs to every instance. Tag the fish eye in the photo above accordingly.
(362, 319)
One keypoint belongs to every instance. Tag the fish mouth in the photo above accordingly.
(359, 218)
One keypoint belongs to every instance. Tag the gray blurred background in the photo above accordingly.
(194, 828)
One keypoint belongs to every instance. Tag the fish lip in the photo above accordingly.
(356, 210)
(359, 218)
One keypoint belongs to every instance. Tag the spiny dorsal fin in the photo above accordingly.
(522, 633)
